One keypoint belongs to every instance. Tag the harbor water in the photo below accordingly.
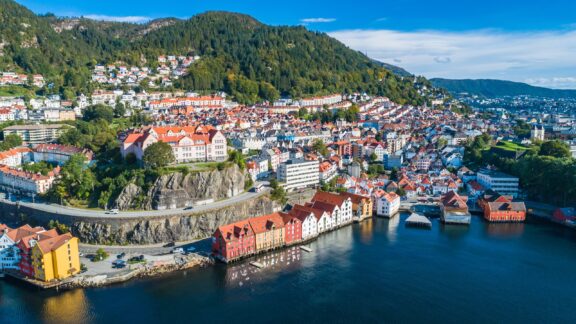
(373, 272)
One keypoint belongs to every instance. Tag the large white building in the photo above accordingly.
(26, 183)
(36, 134)
(189, 144)
(388, 205)
(296, 174)
(500, 182)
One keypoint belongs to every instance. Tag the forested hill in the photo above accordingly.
(499, 88)
(239, 55)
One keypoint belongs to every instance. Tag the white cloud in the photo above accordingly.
(555, 82)
(518, 56)
(126, 19)
(317, 20)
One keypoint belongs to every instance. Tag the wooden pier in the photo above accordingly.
(417, 220)
(257, 264)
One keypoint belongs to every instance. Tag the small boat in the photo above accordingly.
(305, 248)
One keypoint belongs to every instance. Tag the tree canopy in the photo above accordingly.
(158, 155)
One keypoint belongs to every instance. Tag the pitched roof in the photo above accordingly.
(265, 223)
(329, 198)
(50, 244)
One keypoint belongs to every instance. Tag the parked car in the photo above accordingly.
(178, 250)
(118, 264)
(121, 255)
(171, 244)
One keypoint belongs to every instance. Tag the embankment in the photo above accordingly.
(117, 230)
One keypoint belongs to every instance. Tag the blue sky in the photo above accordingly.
(530, 41)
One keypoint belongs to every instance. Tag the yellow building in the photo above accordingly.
(269, 231)
(361, 205)
(56, 258)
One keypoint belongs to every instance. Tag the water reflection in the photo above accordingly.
(454, 231)
(366, 230)
(393, 224)
(505, 230)
(66, 307)
(275, 262)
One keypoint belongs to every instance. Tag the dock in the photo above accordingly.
(257, 264)
(305, 248)
(418, 220)
(456, 218)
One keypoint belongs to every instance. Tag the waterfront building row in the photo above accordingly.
(325, 212)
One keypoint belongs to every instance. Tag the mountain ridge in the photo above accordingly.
(491, 88)
(240, 55)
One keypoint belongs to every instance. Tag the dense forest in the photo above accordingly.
(240, 55)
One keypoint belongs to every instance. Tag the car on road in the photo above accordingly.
(178, 250)
(171, 244)
(188, 207)
(112, 211)
(139, 258)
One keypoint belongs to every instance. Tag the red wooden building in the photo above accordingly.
(502, 209)
(292, 228)
(234, 241)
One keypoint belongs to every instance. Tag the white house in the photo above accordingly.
(340, 207)
(9, 252)
(388, 205)
(309, 221)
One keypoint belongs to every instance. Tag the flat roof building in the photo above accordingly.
(298, 173)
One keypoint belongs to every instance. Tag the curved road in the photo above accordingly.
(70, 211)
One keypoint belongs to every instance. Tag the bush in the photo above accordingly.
(100, 255)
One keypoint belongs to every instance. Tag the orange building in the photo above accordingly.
(269, 231)
(502, 209)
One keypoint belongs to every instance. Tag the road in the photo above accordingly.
(71, 211)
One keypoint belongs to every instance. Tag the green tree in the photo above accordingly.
(61, 228)
(76, 180)
(401, 192)
(555, 148)
(373, 157)
(99, 111)
(100, 255)
(119, 110)
(10, 141)
(441, 142)
(237, 158)
(158, 155)
(319, 146)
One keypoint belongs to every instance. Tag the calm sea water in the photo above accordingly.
(377, 271)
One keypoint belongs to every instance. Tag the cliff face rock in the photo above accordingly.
(169, 228)
(178, 190)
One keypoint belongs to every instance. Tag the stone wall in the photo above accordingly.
(110, 230)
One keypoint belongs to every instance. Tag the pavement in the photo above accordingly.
(71, 211)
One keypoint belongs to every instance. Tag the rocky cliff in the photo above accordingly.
(167, 228)
(179, 190)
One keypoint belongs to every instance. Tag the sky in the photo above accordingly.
(530, 41)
